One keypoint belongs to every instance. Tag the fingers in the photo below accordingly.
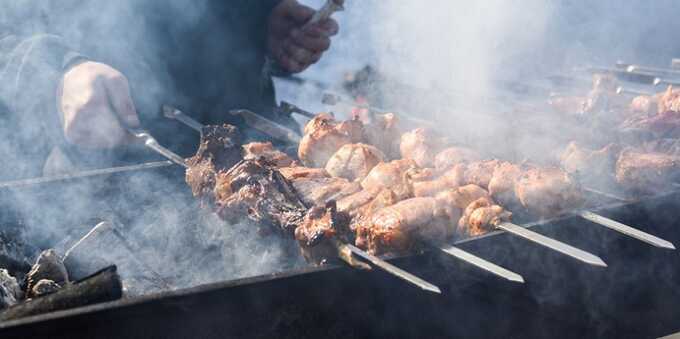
(299, 13)
(311, 42)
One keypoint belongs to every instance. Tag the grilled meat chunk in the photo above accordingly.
(383, 132)
(324, 136)
(219, 150)
(454, 156)
(388, 174)
(646, 172)
(420, 145)
(48, 266)
(254, 190)
(266, 150)
(669, 101)
(647, 105)
(463, 196)
(452, 178)
(502, 183)
(480, 172)
(298, 172)
(354, 161)
(320, 234)
(318, 191)
(480, 216)
(596, 166)
(548, 191)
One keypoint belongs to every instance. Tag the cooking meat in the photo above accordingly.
(321, 233)
(384, 133)
(351, 203)
(354, 161)
(480, 172)
(324, 136)
(592, 165)
(453, 156)
(480, 216)
(266, 150)
(646, 172)
(388, 174)
(645, 104)
(396, 227)
(298, 172)
(548, 191)
(318, 191)
(219, 150)
(463, 196)
(502, 183)
(662, 125)
(448, 180)
(421, 145)
(255, 191)
(669, 101)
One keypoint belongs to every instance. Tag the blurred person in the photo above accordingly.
(73, 72)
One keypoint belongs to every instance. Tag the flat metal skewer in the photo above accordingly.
(149, 141)
(481, 263)
(553, 244)
(289, 108)
(267, 126)
(623, 90)
(174, 113)
(625, 229)
(394, 270)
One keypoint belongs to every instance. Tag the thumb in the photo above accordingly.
(119, 96)
(299, 13)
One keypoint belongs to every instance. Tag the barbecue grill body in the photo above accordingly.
(636, 296)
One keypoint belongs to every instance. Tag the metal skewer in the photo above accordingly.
(149, 141)
(173, 113)
(623, 90)
(267, 126)
(553, 244)
(289, 108)
(394, 270)
(627, 230)
(481, 263)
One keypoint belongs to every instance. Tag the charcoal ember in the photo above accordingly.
(219, 150)
(102, 286)
(48, 266)
(44, 287)
(10, 292)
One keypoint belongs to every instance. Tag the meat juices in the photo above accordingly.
(354, 161)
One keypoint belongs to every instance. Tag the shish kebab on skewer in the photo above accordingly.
(250, 152)
(417, 212)
(588, 215)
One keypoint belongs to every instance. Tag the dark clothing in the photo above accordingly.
(203, 56)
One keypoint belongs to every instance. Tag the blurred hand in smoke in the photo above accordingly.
(93, 99)
(292, 44)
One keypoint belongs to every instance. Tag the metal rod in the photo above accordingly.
(623, 90)
(394, 270)
(605, 194)
(625, 229)
(481, 263)
(267, 126)
(553, 244)
(174, 113)
(325, 12)
(289, 108)
(150, 142)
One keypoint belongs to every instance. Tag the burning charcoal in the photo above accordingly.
(48, 266)
(44, 287)
(102, 286)
(10, 291)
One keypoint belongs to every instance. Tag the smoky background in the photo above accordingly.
(457, 53)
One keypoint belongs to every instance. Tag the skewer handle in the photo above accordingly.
(330, 7)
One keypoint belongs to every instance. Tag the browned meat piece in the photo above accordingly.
(298, 172)
(667, 146)
(324, 136)
(453, 156)
(502, 183)
(480, 172)
(354, 161)
(253, 189)
(361, 216)
(320, 234)
(219, 150)
(421, 145)
(568, 105)
(266, 150)
(548, 191)
(448, 180)
(48, 266)
(318, 191)
(665, 124)
(353, 202)
(669, 101)
(480, 216)
(646, 172)
(463, 196)
(645, 104)
(595, 166)
(388, 174)
(384, 133)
